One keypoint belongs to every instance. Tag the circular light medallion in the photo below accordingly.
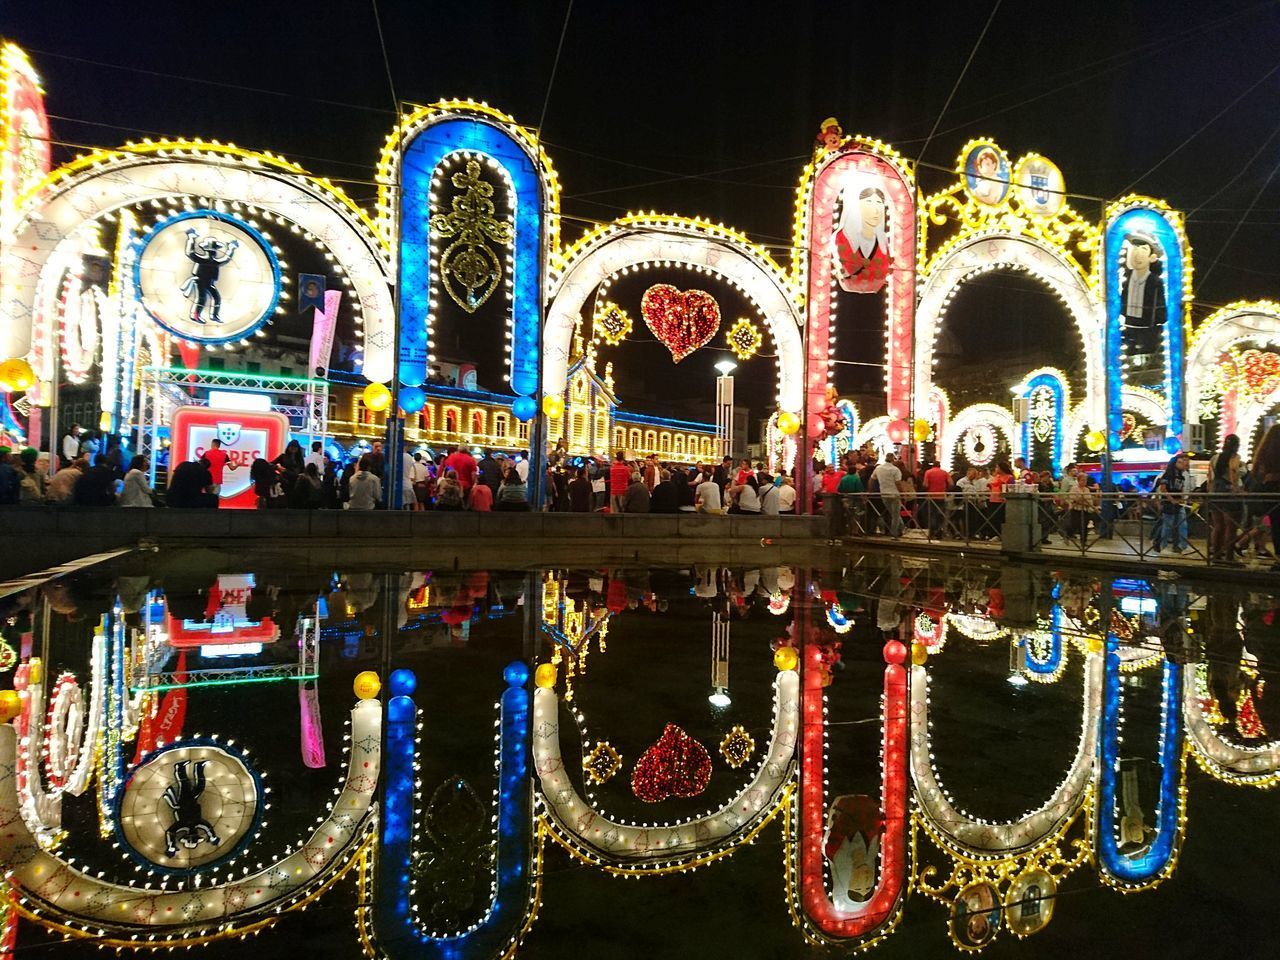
(1030, 905)
(1039, 185)
(207, 277)
(975, 916)
(189, 805)
(986, 172)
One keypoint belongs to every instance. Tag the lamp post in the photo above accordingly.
(719, 697)
(724, 406)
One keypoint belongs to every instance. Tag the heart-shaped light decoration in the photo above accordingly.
(676, 766)
(682, 320)
(1260, 371)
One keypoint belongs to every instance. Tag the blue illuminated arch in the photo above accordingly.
(1160, 227)
(422, 156)
(1055, 384)
(1146, 866)
(399, 936)
(1049, 665)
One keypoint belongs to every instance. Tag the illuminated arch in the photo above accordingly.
(1245, 321)
(104, 181)
(1056, 382)
(640, 848)
(961, 831)
(988, 251)
(707, 248)
(50, 891)
(1256, 766)
(411, 158)
(1137, 400)
(979, 413)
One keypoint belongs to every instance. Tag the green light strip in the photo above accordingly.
(222, 683)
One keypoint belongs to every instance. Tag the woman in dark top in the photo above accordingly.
(580, 492)
(263, 476)
(291, 462)
(307, 489)
(187, 484)
(513, 494)
(684, 492)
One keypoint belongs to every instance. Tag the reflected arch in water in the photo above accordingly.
(1256, 766)
(812, 901)
(388, 917)
(1152, 861)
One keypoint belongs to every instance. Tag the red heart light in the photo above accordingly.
(682, 320)
(676, 766)
(1261, 372)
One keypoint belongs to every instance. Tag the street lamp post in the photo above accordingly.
(724, 406)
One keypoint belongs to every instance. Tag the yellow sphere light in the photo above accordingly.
(553, 405)
(788, 422)
(16, 376)
(1096, 440)
(10, 705)
(922, 430)
(786, 658)
(545, 676)
(367, 684)
(377, 397)
(919, 654)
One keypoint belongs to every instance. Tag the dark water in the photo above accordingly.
(1006, 750)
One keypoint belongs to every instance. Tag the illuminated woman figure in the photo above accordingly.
(861, 241)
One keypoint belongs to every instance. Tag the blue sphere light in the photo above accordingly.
(516, 674)
(1116, 421)
(412, 399)
(1172, 445)
(524, 408)
(403, 683)
(1116, 441)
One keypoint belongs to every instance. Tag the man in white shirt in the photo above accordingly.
(787, 496)
(522, 468)
(887, 475)
(707, 497)
(71, 445)
(411, 472)
(316, 456)
(974, 487)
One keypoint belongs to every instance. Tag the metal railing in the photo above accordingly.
(1220, 529)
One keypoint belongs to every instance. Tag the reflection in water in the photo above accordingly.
(189, 756)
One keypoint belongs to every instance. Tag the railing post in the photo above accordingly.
(1021, 530)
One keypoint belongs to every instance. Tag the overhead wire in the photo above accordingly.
(956, 86)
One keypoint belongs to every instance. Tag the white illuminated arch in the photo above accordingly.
(89, 190)
(1136, 400)
(1256, 322)
(1004, 837)
(875, 432)
(1251, 417)
(1226, 761)
(987, 252)
(972, 415)
(664, 845)
(670, 240)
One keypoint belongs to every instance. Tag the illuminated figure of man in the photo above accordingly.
(852, 847)
(208, 255)
(861, 242)
(1142, 302)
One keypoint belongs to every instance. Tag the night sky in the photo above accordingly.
(710, 109)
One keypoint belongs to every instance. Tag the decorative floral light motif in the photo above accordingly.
(1042, 412)
(610, 323)
(676, 766)
(682, 320)
(469, 262)
(737, 746)
(744, 339)
(602, 762)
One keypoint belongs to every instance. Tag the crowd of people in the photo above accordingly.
(970, 504)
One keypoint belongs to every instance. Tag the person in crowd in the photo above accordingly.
(619, 480)
(580, 492)
(522, 467)
(1021, 473)
(558, 490)
(70, 447)
(935, 484)
(723, 476)
(464, 467)
(684, 492)
(1266, 467)
(291, 464)
(1224, 509)
(887, 476)
(366, 486)
(137, 490)
(513, 494)
(377, 460)
(409, 476)
(189, 484)
(489, 470)
(665, 497)
(707, 497)
(1083, 505)
(744, 470)
(652, 472)
(317, 457)
(746, 496)
(96, 487)
(768, 490)
(1170, 490)
(637, 497)
(115, 458)
(90, 446)
(264, 479)
(1000, 478)
(344, 482)
(63, 484)
(217, 459)
(787, 496)
(307, 490)
(10, 481)
(449, 491)
(31, 482)
(481, 499)
(830, 479)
